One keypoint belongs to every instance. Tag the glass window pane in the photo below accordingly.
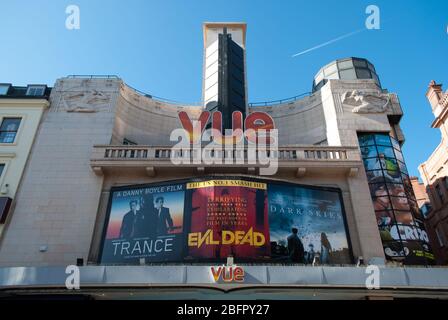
(381, 203)
(7, 137)
(368, 152)
(360, 63)
(384, 218)
(378, 189)
(389, 164)
(387, 152)
(404, 217)
(396, 189)
(400, 203)
(363, 74)
(330, 70)
(366, 140)
(2, 167)
(408, 187)
(375, 77)
(375, 176)
(399, 156)
(402, 167)
(392, 176)
(415, 253)
(393, 249)
(10, 124)
(319, 77)
(332, 76)
(4, 89)
(383, 139)
(347, 64)
(395, 144)
(372, 164)
(348, 74)
(35, 91)
(8, 129)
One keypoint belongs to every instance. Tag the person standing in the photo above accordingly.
(295, 247)
(163, 218)
(147, 211)
(131, 223)
(325, 249)
(310, 254)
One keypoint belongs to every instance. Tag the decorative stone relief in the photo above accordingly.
(367, 102)
(85, 102)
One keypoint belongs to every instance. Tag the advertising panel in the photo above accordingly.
(399, 220)
(228, 217)
(144, 223)
(210, 219)
(307, 225)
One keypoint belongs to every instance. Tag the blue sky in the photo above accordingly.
(156, 46)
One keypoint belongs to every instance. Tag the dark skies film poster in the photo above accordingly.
(145, 223)
(229, 217)
(307, 225)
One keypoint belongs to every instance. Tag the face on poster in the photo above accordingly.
(228, 218)
(145, 223)
(306, 224)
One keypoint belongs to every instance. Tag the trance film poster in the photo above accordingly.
(228, 218)
(145, 223)
(307, 225)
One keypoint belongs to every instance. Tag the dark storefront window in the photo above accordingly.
(398, 216)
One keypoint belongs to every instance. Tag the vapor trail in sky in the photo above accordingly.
(329, 42)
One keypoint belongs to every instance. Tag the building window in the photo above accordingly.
(4, 89)
(36, 91)
(425, 209)
(8, 129)
(2, 167)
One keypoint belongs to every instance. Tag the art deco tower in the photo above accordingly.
(224, 75)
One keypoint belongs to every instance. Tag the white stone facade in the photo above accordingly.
(60, 208)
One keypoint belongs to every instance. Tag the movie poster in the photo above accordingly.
(398, 216)
(307, 225)
(228, 218)
(145, 224)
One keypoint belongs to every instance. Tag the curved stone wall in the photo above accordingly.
(299, 122)
(147, 121)
(144, 120)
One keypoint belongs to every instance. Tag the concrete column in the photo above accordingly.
(365, 220)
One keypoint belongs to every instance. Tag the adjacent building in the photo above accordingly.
(104, 188)
(434, 172)
(21, 110)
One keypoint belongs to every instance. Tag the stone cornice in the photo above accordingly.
(39, 103)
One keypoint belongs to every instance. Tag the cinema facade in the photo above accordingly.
(101, 191)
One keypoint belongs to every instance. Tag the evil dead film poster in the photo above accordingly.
(228, 217)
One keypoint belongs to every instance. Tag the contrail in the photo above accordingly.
(329, 42)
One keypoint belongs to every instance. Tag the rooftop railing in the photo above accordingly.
(180, 103)
(281, 101)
